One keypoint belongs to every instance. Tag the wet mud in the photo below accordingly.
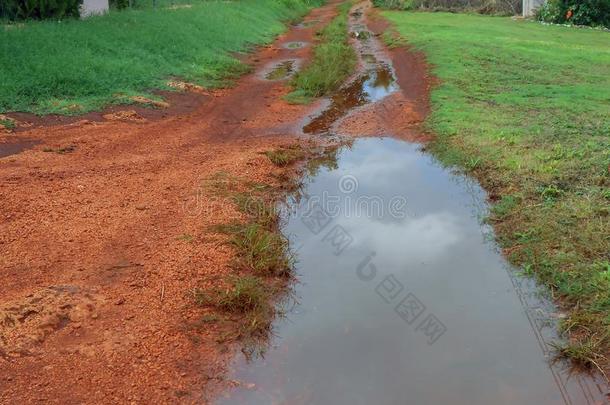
(371, 87)
(294, 45)
(12, 147)
(281, 70)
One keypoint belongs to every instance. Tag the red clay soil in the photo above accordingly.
(103, 238)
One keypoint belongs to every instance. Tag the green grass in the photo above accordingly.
(249, 298)
(7, 123)
(245, 294)
(332, 63)
(285, 156)
(525, 108)
(259, 250)
(73, 66)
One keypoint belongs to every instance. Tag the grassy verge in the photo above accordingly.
(74, 66)
(332, 63)
(524, 108)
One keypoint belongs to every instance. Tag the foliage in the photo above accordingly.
(39, 9)
(82, 65)
(578, 12)
(394, 4)
(493, 7)
(529, 104)
(333, 61)
(119, 4)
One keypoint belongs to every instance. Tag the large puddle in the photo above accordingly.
(403, 299)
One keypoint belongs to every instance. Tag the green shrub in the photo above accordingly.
(39, 9)
(578, 12)
(550, 11)
(394, 4)
(119, 4)
(491, 7)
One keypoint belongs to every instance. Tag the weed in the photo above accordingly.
(281, 71)
(583, 354)
(298, 96)
(333, 61)
(260, 250)
(247, 296)
(62, 150)
(7, 123)
(503, 207)
(186, 238)
(285, 156)
(244, 294)
(259, 211)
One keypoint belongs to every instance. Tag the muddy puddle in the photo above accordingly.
(294, 45)
(15, 147)
(371, 87)
(306, 24)
(281, 70)
(402, 298)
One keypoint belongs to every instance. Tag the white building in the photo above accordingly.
(530, 5)
(93, 7)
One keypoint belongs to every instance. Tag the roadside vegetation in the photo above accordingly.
(577, 12)
(262, 263)
(82, 65)
(261, 260)
(489, 7)
(524, 108)
(333, 62)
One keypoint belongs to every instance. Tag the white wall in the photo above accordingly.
(530, 5)
(90, 7)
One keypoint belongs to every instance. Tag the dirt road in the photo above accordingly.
(95, 272)
(103, 236)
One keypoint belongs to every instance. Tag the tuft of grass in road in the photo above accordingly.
(525, 108)
(285, 156)
(7, 123)
(246, 296)
(583, 353)
(332, 63)
(261, 251)
(263, 263)
(74, 66)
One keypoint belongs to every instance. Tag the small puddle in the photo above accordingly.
(361, 35)
(372, 87)
(281, 71)
(402, 298)
(15, 147)
(294, 44)
(306, 24)
(369, 58)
